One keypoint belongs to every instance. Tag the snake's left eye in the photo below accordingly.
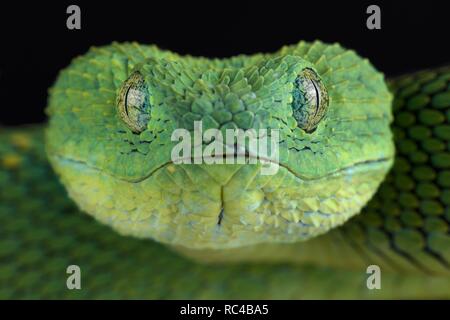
(133, 102)
(310, 100)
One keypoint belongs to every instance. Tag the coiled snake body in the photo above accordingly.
(112, 113)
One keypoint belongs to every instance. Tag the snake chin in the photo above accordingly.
(222, 206)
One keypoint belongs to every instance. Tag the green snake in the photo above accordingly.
(363, 179)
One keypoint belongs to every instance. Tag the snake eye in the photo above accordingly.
(133, 102)
(310, 101)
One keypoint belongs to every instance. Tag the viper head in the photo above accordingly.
(114, 111)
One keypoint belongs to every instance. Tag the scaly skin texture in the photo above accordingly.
(404, 229)
(127, 180)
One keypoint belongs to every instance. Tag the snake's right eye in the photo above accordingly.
(133, 102)
(310, 100)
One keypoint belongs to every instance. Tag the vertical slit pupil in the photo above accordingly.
(133, 103)
(310, 100)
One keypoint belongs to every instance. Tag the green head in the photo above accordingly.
(113, 114)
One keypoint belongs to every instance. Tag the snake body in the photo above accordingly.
(121, 177)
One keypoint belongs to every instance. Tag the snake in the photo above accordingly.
(362, 179)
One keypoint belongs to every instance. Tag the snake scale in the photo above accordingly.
(283, 236)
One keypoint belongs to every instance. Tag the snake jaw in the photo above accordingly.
(222, 206)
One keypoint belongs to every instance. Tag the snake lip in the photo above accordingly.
(246, 156)
(383, 161)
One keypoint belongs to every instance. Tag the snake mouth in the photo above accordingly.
(211, 204)
(371, 164)
(264, 161)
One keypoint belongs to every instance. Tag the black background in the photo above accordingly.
(278, 309)
(35, 42)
